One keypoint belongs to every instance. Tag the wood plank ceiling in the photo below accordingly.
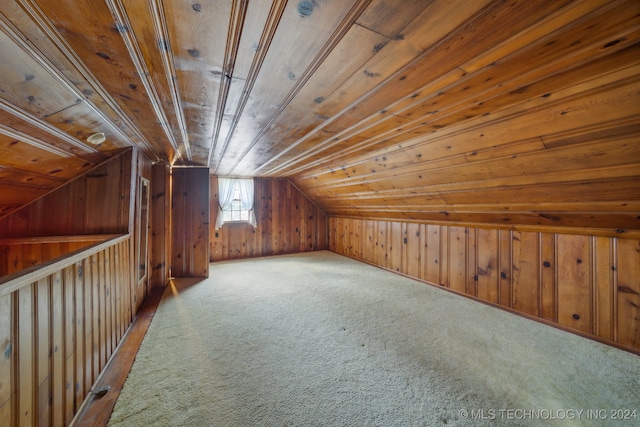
(480, 111)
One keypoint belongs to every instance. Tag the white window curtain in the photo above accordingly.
(246, 196)
(226, 187)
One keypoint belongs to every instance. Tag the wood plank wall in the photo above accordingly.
(59, 326)
(102, 202)
(190, 222)
(16, 256)
(143, 168)
(160, 225)
(95, 203)
(586, 284)
(288, 222)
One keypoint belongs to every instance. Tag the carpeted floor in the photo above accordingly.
(317, 339)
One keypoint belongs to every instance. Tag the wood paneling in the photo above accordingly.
(287, 222)
(18, 254)
(520, 113)
(140, 218)
(160, 225)
(575, 283)
(585, 284)
(190, 222)
(627, 292)
(59, 325)
(95, 203)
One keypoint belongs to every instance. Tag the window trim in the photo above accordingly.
(229, 188)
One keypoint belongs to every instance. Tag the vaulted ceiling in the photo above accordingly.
(480, 111)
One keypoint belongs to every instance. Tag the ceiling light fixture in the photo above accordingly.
(96, 138)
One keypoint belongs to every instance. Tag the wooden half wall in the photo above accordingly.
(18, 253)
(105, 201)
(59, 325)
(586, 284)
(288, 222)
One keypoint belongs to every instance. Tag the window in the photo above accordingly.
(235, 212)
(235, 197)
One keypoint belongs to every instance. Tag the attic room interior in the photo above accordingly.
(487, 150)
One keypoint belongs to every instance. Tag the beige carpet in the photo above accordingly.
(317, 339)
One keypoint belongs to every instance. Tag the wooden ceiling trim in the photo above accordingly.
(425, 35)
(471, 200)
(18, 154)
(481, 133)
(117, 73)
(196, 32)
(26, 84)
(129, 132)
(252, 33)
(270, 27)
(512, 92)
(164, 42)
(338, 34)
(601, 159)
(350, 139)
(72, 113)
(424, 158)
(436, 61)
(300, 114)
(232, 46)
(524, 84)
(119, 14)
(49, 129)
(536, 105)
(289, 58)
(406, 163)
(388, 70)
(80, 121)
(473, 111)
(439, 195)
(529, 93)
(495, 204)
(238, 16)
(32, 141)
(469, 39)
(546, 82)
(36, 56)
(595, 153)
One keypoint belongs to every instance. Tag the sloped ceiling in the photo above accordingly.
(500, 112)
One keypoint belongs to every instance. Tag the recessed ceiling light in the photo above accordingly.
(96, 138)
